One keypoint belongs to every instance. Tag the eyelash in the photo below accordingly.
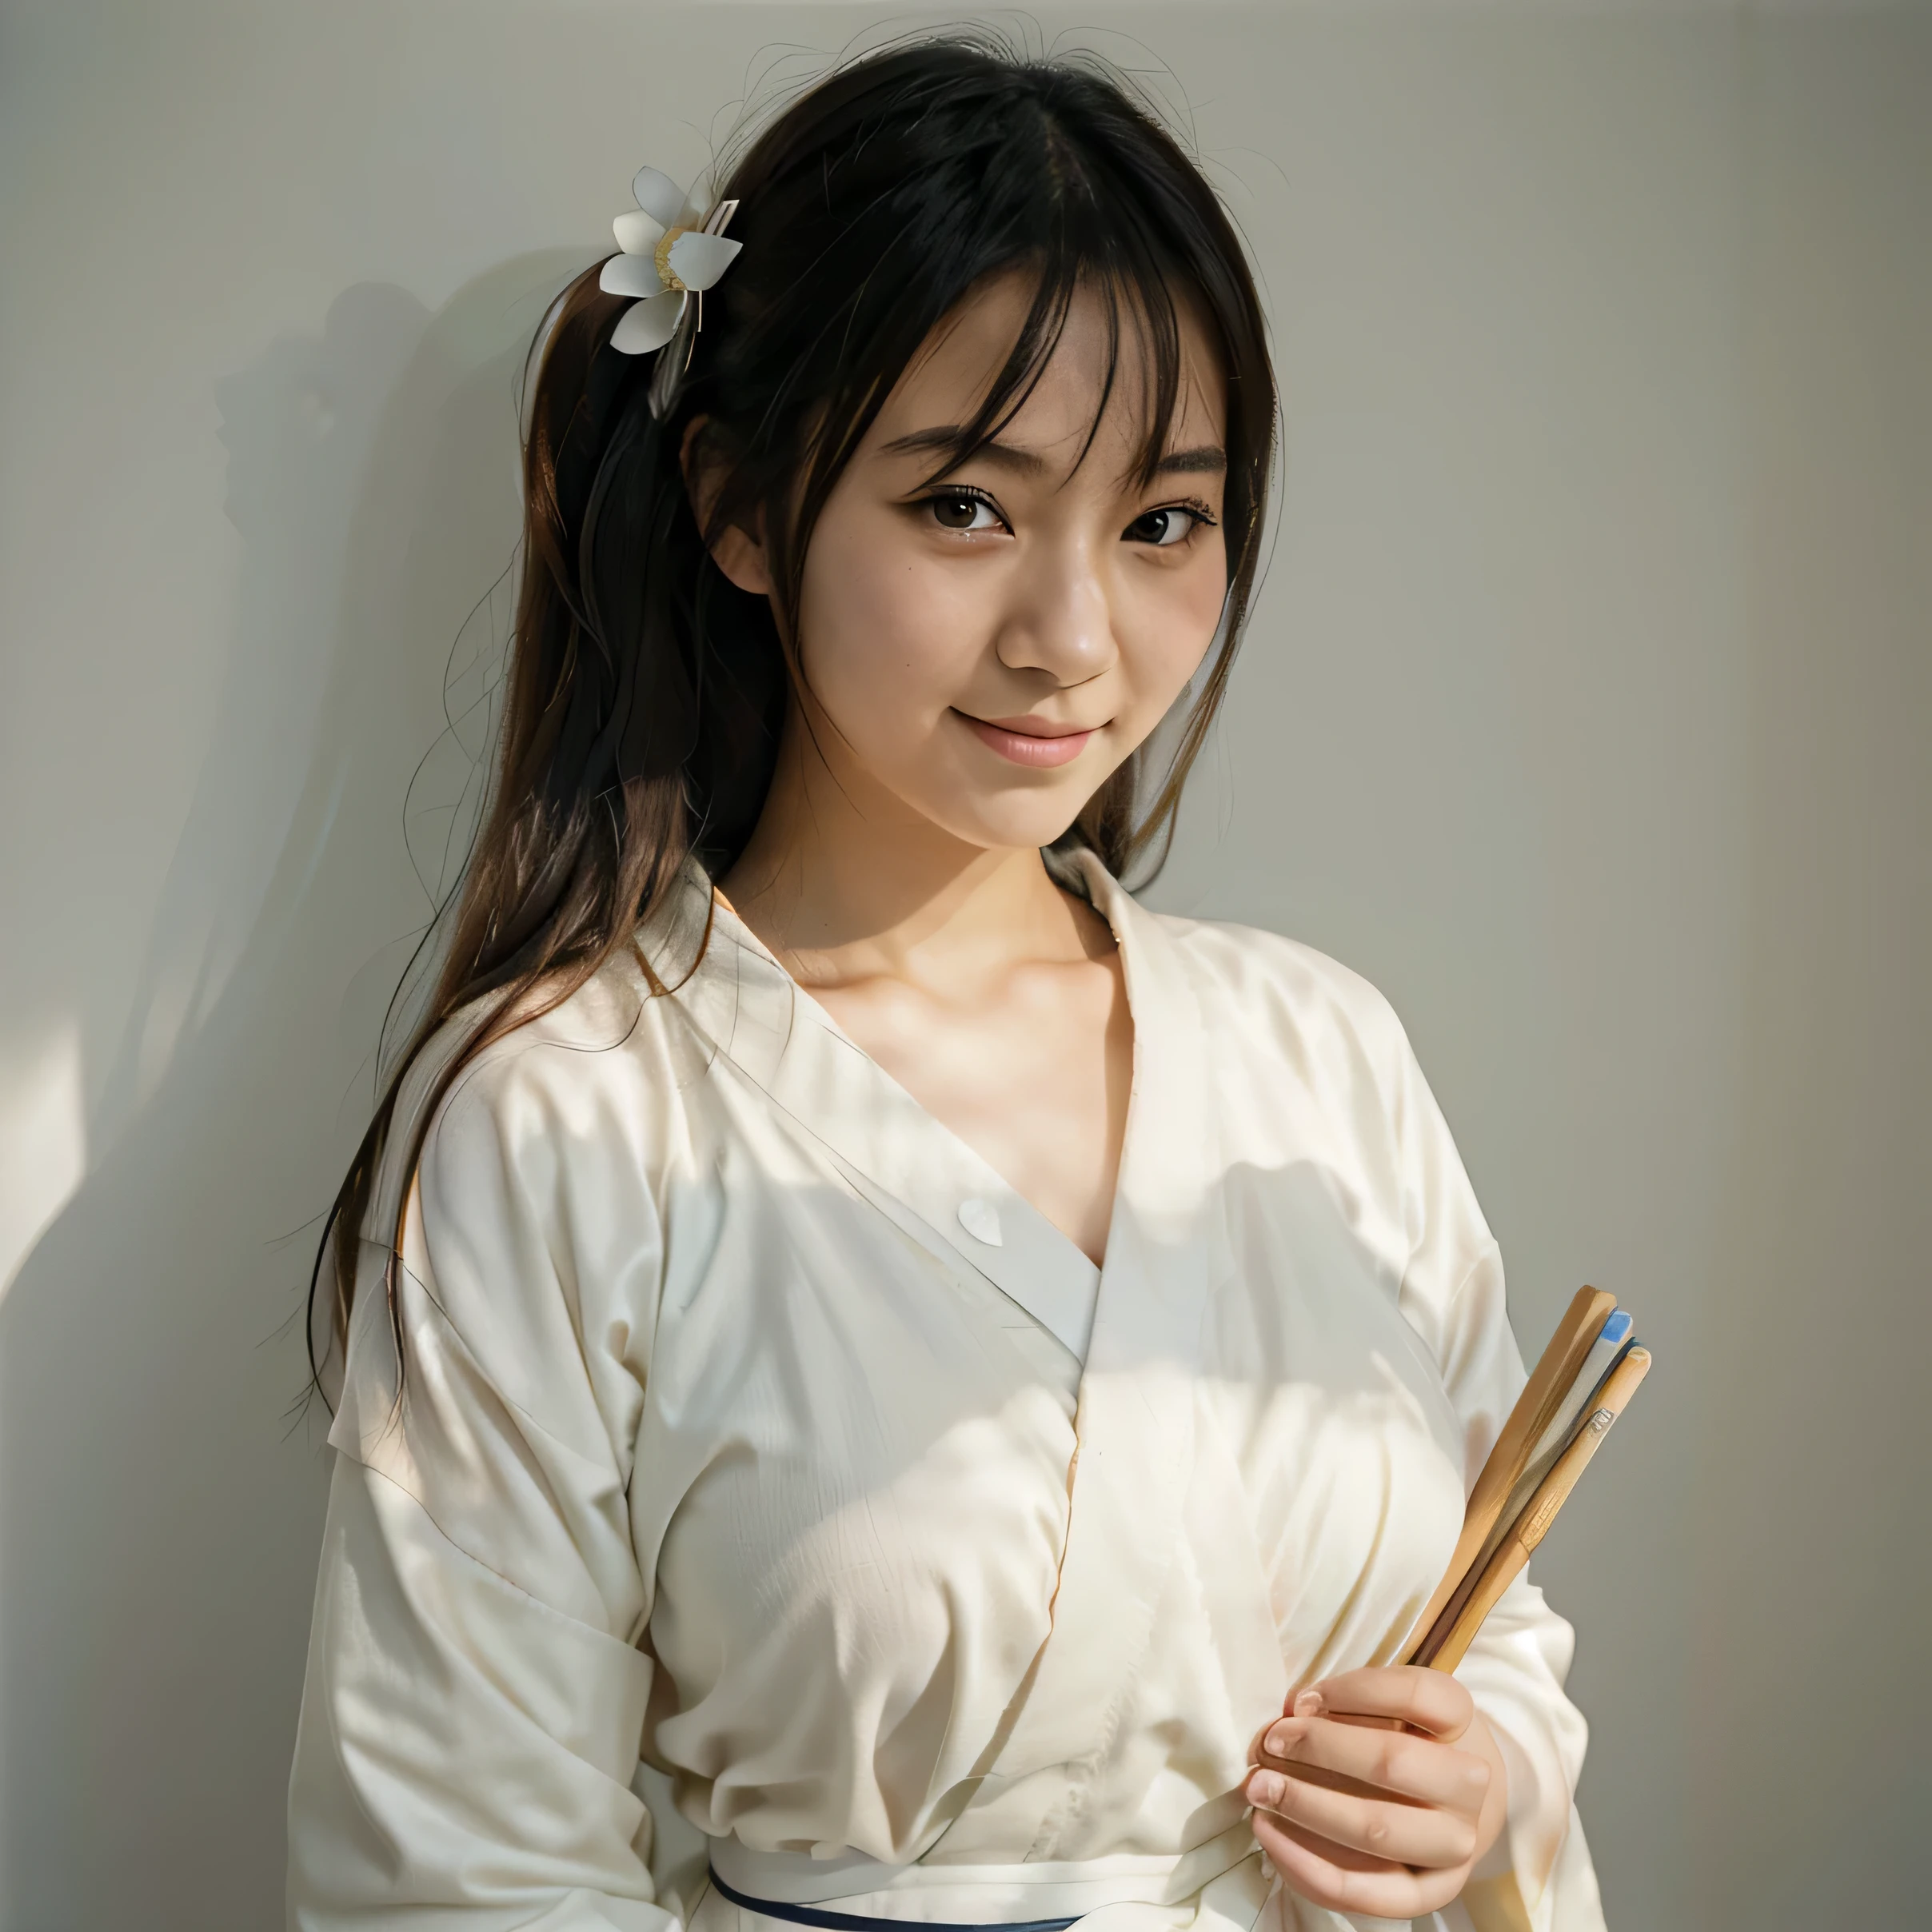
(1192, 506)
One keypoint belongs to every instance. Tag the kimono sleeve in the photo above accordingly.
(1452, 1293)
(475, 1697)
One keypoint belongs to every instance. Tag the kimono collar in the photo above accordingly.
(740, 997)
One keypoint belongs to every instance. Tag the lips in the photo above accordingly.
(1036, 743)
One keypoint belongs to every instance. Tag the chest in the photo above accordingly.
(914, 1471)
(1039, 1537)
(1033, 1073)
(862, 1447)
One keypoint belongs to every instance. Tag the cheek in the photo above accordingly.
(1165, 620)
(887, 636)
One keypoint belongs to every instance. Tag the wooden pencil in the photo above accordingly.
(1443, 1647)
(1541, 1396)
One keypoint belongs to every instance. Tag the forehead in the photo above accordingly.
(1098, 380)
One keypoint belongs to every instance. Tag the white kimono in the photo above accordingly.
(755, 1427)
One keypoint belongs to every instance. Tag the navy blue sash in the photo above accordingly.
(855, 1921)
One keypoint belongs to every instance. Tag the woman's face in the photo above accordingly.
(988, 648)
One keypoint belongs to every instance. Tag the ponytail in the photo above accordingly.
(641, 721)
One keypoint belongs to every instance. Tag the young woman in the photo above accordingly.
(913, 1389)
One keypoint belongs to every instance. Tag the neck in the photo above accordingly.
(844, 881)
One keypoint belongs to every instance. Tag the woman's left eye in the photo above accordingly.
(962, 509)
(1173, 523)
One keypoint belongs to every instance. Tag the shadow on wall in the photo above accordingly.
(159, 1490)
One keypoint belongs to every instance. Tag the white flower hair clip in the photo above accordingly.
(674, 249)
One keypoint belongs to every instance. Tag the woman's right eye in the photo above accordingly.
(958, 509)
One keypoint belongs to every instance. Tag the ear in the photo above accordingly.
(735, 552)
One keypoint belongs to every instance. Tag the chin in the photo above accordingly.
(1007, 823)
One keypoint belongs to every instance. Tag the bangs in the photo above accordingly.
(1143, 323)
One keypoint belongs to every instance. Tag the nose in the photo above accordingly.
(1058, 617)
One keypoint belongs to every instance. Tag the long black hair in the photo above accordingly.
(646, 693)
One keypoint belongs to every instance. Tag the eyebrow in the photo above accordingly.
(1205, 460)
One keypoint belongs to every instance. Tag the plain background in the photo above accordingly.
(1585, 710)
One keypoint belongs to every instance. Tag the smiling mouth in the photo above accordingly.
(1034, 742)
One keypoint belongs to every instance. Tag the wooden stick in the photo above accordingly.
(1542, 1395)
(1444, 1650)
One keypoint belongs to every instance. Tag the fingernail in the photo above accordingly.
(1308, 1704)
(1278, 1740)
(1264, 1788)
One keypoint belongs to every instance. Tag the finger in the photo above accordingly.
(1342, 1881)
(1390, 1762)
(1432, 1700)
(1343, 1858)
(1307, 1701)
(1403, 1833)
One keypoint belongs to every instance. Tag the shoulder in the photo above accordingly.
(1296, 1036)
(555, 1075)
(1279, 995)
(546, 1135)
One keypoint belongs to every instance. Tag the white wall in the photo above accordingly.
(1586, 710)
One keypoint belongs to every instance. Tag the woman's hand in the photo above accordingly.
(1358, 1814)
